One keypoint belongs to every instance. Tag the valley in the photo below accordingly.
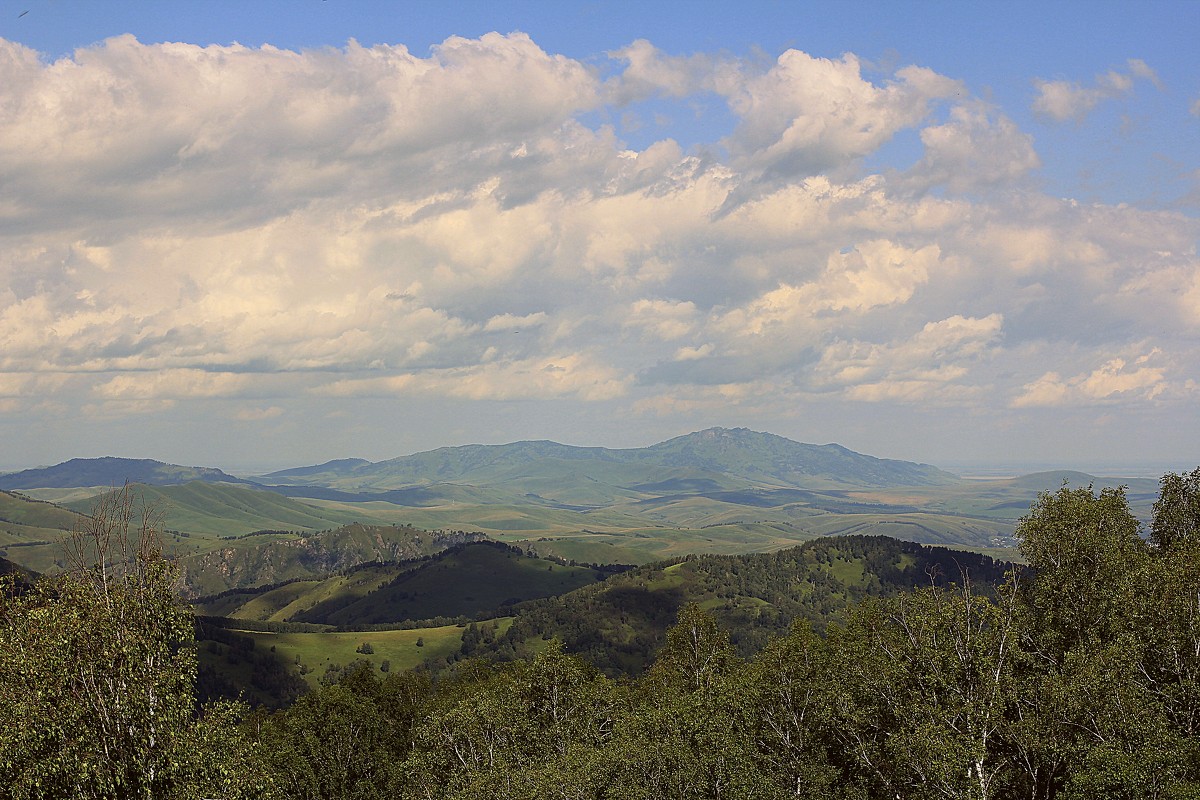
(533, 540)
(720, 491)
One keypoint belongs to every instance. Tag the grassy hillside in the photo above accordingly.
(272, 668)
(32, 531)
(214, 510)
(24, 520)
(466, 580)
(619, 624)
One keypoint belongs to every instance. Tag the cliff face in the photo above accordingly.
(253, 562)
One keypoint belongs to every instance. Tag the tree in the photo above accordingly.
(1091, 711)
(688, 734)
(1176, 519)
(1086, 552)
(926, 684)
(97, 677)
(792, 709)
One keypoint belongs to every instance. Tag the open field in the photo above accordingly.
(312, 654)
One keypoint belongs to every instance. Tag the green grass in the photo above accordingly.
(464, 581)
(215, 510)
(317, 651)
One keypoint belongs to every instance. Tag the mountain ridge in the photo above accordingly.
(754, 457)
(113, 471)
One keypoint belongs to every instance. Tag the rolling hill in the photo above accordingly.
(620, 623)
(270, 558)
(215, 509)
(111, 472)
(464, 580)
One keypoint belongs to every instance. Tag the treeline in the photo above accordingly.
(1077, 678)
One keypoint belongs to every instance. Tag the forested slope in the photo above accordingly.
(619, 624)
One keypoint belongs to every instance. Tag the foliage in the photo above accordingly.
(1076, 678)
(97, 675)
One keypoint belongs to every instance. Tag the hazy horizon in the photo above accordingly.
(967, 469)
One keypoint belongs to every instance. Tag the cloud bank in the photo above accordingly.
(186, 225)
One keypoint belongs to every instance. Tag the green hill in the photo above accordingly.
(275, 558)
(213, 509)
(110, 471)
(466, 580)
(32, 531)
(23, 519)
(619, 624)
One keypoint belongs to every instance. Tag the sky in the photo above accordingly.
(260, 235)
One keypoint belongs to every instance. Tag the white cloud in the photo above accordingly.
(807, 115)
(573, 375)
(874, 273)
(257, 414)
(1062, 100)
(649, 71)
(174, 132)
(263, 234)
(975, 149)
(1115, 380)
(935, 364)
(173, 384)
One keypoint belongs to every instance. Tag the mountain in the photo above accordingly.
(338, 465)
(716, 458)
(111, 471)
(767, 458)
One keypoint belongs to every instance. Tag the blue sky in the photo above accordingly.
(265, 234)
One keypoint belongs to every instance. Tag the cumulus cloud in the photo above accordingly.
(873, 273)
(649, 71)
(175, 131)
(928, 366)
(264, 232)
(975, 149)
(806, 115)
(1062, 100)
(572, 375)
(1115, 380)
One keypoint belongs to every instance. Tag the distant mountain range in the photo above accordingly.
(713, 459)
(710, 460)
(714, 491)
(112, 472)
